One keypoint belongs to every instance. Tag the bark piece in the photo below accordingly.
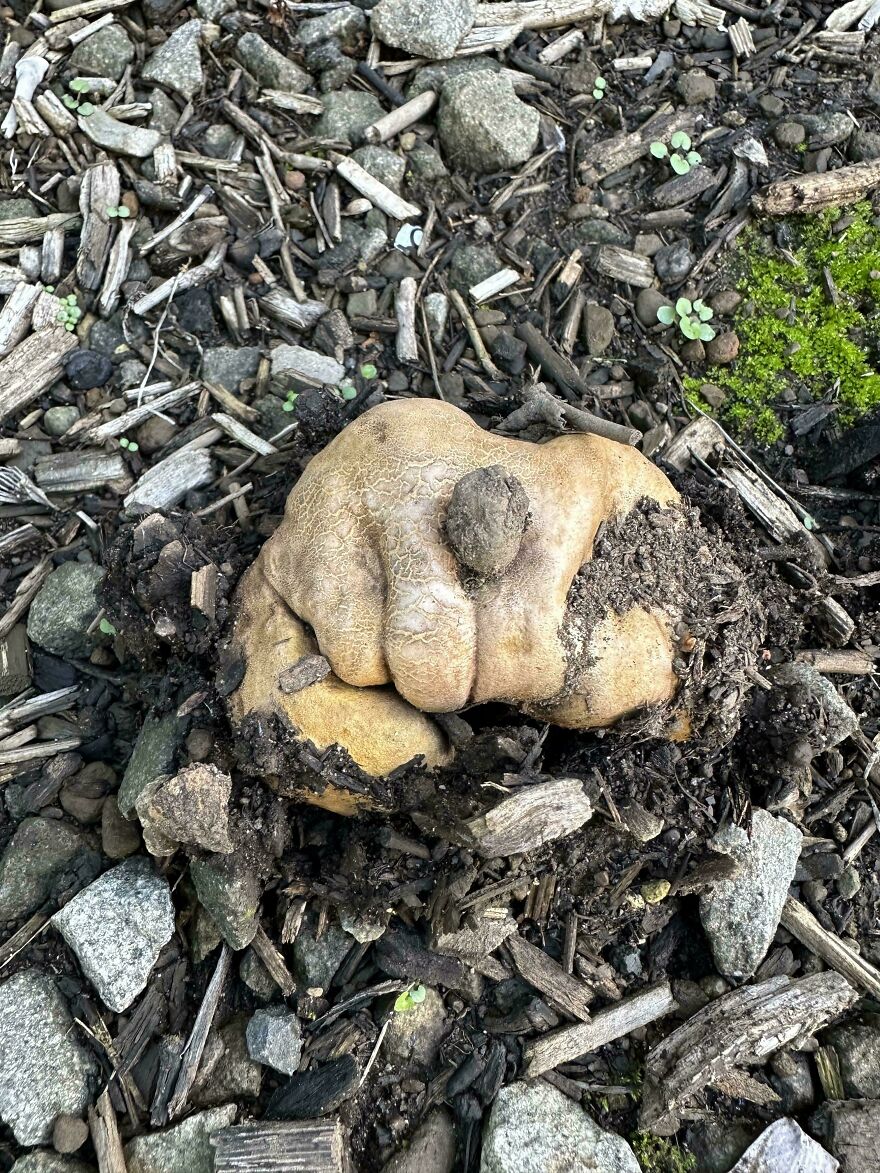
(35, 364)
(622, 265)
(815, 192)
(100, 190)
(288, 1146)
(534, 815)
(541, 971)
(801, 923)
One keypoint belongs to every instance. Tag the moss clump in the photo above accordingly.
(792, 334)
(655, 1154)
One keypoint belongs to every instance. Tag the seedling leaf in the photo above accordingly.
(694, 157)
(681, 141)
(106, 627)
(683, 307)
(706, 332)
(86, 108)
(690, 328)
(705, 312)
(369, 371)
(679, 164)
(659, 150)
(600, 83)
(402, 1003)
(80, 85)
(666, 315)
(417, 994)
(70, 102)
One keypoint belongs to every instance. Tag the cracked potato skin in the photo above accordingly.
(362, 557)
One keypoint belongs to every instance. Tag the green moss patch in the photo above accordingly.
(658, 1155)
(793, 332)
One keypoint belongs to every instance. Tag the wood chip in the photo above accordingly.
(533, 815)
(34, 365)
(815, 192)
(622, 265)
(801, 923)
(287, 1146)
(541, 971)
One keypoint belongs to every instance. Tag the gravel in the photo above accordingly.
(483, 125)
(104, 54)
(183, 1148)
(347, 113)
(228, 889)
(37, 856)
(425, 28)
(274, 1038)
(64, 609)
(537, 1129)
(229, 365)
(741, 914)
(268, 67)
(152, 756)
(117, 927)
(44, 1069)
(178, 63)
(192, 807)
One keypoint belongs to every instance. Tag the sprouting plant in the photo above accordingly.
(79, 85)
(409, 999)
(290, 401)
(348, 391)
(69, 313)
(369, 371)
(130, 445)
(107, 628)
(693, 318)
(599, 88)
(120, 211)
(680, 142)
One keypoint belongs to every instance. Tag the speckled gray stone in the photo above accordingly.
(178, 63)
(44, 1069)
(117, 927)
(183, 1148)
(104, 54)
(274, 1038)
(346, 115)
(268, 67)
(64, 608)
(425, 28)
(483, 125)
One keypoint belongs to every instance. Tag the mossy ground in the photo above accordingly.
(793, 333)
(655, 1154)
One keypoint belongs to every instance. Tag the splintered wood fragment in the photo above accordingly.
(377, 193)
(282, 1146)
(701, 437)
(776, 515)
(407, 347)
(852, 43)
(203, 590)
(472, 943)
(83, 471)
(273, 961)
(117, 268)
(138, 415)
(561, 47)
(308, 670)
(493, 285)
(741, 38)
(35, 364)
(540, 14)
(838, 661)
(195, 1044)
(15, 317)
(232, 404)
(169, 481)
(296, 103)
(100, 190)
(548, 976)
(243, 435)
(622, 265)
(37, 751)
(21, 229)
(15, 667)
(614, 1022)
(10, 277)
(400, 118)
(681, 189)
(22, 937)
(632, 64)
(24, 594)
(815, 192)
(54, 113)
(52, 256)
(87, 9)
(300, 314)
(700, 12)
(738, 1030)
(533, 815)
(20, 712)
(105, 1136)
(613, 154)
(473, 334)
(188, 212)
(801, 923)
(188, 279)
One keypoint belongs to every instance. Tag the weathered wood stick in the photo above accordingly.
(613, 154)
(105, 1136)
(168, 482)
(195, 1044)
(288, 1146)
(137, 415)
(15, 317)
(86, 9)
(100, 190)
(532, 815)
(548, 976)
(35, 364)
(813, 193)
(188, 279)
(801, 923)
(474, 334)
(117, 268)
(21, 229)
(377, 193)
(561, 1046)
(300, 314)
(405, 308)
(399, 119)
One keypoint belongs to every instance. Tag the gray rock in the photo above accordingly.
(229, 365)
(483, 125)
(827, 129)
(425, 28)
(117, 927)
(217, 142)
(65, 607)
(214, 10)
(593, 231)
(648, 302)
(57, 420)
(307, 365)
(183, 1148)
(414, 1036)
(344, 24)
(178, 63)
(153, 755)
(192, 807)
(122, 137)
(792, 1077)
(471, 264)
(674, 261)
(435, 77)
(346, 115)
(227, 1072)
(864, 146)
(598, 328)
(316, 961)
(229, 889)
(164, 115)
(274, 1038)
(807, 686)
(364, 927)
(536, 1129)
(431, 1149)
(37, 855)
(790, 134)
(486, 519)
(44, 1069)
(268, 67)
(848, 883)
(741, 914)
(13, 209)
(41, 1161)
(382, 164)
(858, 1049)
(696, 88)
(104, 54)
(426, 163)
(719, 1144)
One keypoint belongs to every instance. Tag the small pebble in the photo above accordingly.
(69, 1133)
(723, 348)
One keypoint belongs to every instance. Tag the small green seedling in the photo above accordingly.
(409, 999)
(680, 163)
(290, 402)
(107, 628)
(120, 212)
(69, 313)
(369, 371)
(599, 88)
(693, 318)
(79, 85)
(130, 445)
(348, 391)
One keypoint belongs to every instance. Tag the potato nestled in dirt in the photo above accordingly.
(364, 571)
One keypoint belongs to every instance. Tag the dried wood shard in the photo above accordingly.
(814, 193)
(294, 1146)
(740, 1029)
(534, 815)
(35, 364)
